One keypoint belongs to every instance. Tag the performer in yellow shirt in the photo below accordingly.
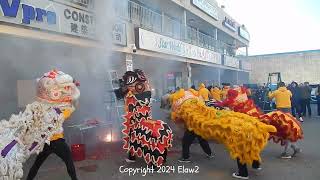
(224, 92)
(60, 89)
(203, 92)
(215, 93)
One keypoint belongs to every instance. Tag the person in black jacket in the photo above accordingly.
(295, 100)
(305, 99)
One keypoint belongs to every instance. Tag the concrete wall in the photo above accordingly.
(300, 67)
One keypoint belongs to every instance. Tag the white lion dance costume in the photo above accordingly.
(27, 133)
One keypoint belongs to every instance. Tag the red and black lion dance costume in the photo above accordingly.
(143, 136)
(288, 128)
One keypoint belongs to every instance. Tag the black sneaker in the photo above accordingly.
(183, 160)
(237, 175)
(296, 151)
(211, 156)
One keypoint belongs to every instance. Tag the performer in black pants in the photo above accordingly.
(305, 99)
(187, 140)
(243, 170)
(61, 149)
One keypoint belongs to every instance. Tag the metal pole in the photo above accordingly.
(189, 74)
(216, 33)
(216, 39)
(219, 77)
(185, 24)
(162, 22)
(198, 37)
(247, 52)
(237, 80)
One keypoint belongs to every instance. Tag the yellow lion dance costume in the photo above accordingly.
(243, 135)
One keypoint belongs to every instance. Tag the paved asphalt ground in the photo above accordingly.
(304, 167)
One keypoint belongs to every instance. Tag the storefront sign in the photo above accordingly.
(48, 15)
(230, 24)
(231, 62)
(244, 33)
(245, 65)
(207, 7)
(26, 12)
(76, 22)
(119, 34)
(159, 43)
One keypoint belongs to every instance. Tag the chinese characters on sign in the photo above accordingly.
(81, 23)
(84, 29)
(119, 34)
(129, 62)
(74, 28)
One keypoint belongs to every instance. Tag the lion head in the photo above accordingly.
(57, 87)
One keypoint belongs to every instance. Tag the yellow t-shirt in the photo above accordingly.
(224, 92)
(204, 92)
(282, 97)
(216, 93)
(66, 114)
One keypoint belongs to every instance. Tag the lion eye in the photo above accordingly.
(131, 80)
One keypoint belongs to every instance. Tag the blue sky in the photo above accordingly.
(278, 25)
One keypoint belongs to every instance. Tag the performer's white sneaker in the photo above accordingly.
(236, 175)
(258, 169)
(182, 160)
(130, 161)
(285, 156)
(301, 119)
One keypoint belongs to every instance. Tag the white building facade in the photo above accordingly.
(196, 37)
(178, 43)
